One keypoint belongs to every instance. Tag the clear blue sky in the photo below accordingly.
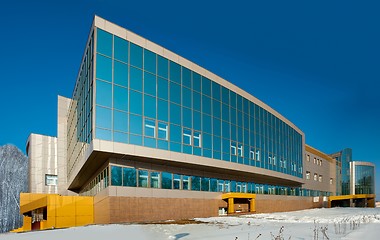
(315, 62)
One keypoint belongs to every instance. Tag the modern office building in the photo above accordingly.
(152, 136)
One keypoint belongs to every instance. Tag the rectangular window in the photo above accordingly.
(197, 139)
(166, 180)
(185, 183)
(320, 178)
(220, 185)
(187, 138)
(155, 180)
(116, 176)
(233, 148)
(162, 67)
(205, 184)
(121, 49)
(315, 160)
(129, 177)
(195, 183)
(257, 155)
(136, 54)
(240, 150)
(227, 186)
(315, 177)
(120, 71)
(120, 98)
(252, 153)
(213, 185)
(149, 61)
(331, 181)
(51, 180)
(143, 178)
(307, 175)
(104, 44)
(162, 130)
(150, 128)
(308, 158)
(176, 181)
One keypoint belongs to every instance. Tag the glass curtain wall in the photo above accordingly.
(145, 99)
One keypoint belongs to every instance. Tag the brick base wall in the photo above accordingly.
(140, 209)
(275, 203)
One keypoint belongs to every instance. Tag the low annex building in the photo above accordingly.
(148, 136)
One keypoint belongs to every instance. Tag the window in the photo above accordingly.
(155, 180)
(233, 148)
(190, 137)
(160, 132)
(315, 177)
(185, 183)
(331, 181)
(197, 139)
(195, 183)
(166, 180)
(150, 128)
(51, 180)
(307, 175)
(176, 181)
(129, 177)
(220, 186)
(252, 153)
(213, 185)
(240, 150)
(315, 160)
(187, 136)
(116, 176)
(143, 178)
(320, 178)
(205, 184)
(308, 158)
(257, 155)
(236, 149)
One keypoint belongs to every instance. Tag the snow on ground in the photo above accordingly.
(336, 223)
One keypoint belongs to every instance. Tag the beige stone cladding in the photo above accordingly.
(42, 155)
(319, 171)
(63, 107)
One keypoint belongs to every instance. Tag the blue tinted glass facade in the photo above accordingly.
(364, 179)
(143, 98)
(79, 124)
(343, 182)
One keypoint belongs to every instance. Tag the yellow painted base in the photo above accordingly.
(61, 211)
(231, 201)
(369, 197)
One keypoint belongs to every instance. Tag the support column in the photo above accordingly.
(231, 206)
(252, 205)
